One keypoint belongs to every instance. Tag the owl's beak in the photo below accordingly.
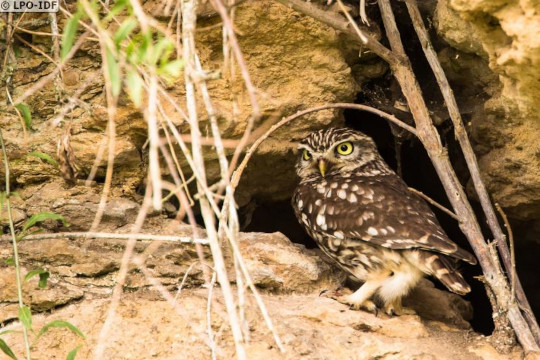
(322, 167)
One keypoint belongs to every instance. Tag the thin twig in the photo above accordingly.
(252, 91)
(184, 279)
(434, 203)
(238, 172)
(360, 33)
(104, 235)
(211, 339)
(513, 273)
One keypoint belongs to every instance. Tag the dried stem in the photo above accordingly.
(213, 346)
(434, 203)
(188, 44)
(230, 39)
(512, 271)
(13, 238)
(103, 235)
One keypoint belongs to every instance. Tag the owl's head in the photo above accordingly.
(335, 151)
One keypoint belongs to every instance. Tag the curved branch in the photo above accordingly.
(238, 172)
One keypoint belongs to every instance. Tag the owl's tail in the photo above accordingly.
(443, 268)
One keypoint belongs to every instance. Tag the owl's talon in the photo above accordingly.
(395, 309)
(366, 305)
(323, 292)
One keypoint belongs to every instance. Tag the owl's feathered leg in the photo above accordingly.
(395, 287)
(360, 299)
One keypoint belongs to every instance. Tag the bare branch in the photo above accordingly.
(238, 172)
(434, 203)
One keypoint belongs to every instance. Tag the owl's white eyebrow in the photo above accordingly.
(302, 146)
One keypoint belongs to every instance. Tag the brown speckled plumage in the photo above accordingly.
(363, 215)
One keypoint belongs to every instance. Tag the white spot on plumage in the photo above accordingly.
(354, 188)
(310, 208)
(330, 210)
(339, 235)
(352, 198)
(342, 194)
(334, 185)
(344, 186)
(372, 231)
(391, 229)
(321, 219)
(318, 202)
(300, 204)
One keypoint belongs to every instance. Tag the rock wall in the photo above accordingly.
(294, 61)
(505, 36)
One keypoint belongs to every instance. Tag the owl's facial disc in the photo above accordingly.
(328, 152)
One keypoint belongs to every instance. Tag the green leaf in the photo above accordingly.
(60, 324)
(68, 38)
(124, 30)
(114, 73)
(26, 114)
(43, 277)
(73, 353)
(161, 50)
(134, 87)
(141, 47)
(118, 7)
(42, 217)
(7, 350)
(172, 69)
(10, 261)
(26, 317)
(43, 156)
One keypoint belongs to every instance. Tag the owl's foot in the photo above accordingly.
(395, 308)
(345, 296)
(367, 305)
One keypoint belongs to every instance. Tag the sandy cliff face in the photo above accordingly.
(492, 56)
(505, 35)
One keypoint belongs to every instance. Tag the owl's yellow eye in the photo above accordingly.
(345, 148)
(306, 155)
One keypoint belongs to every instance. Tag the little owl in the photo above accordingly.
(363, 216)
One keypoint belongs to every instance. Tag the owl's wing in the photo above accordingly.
(383, 211)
